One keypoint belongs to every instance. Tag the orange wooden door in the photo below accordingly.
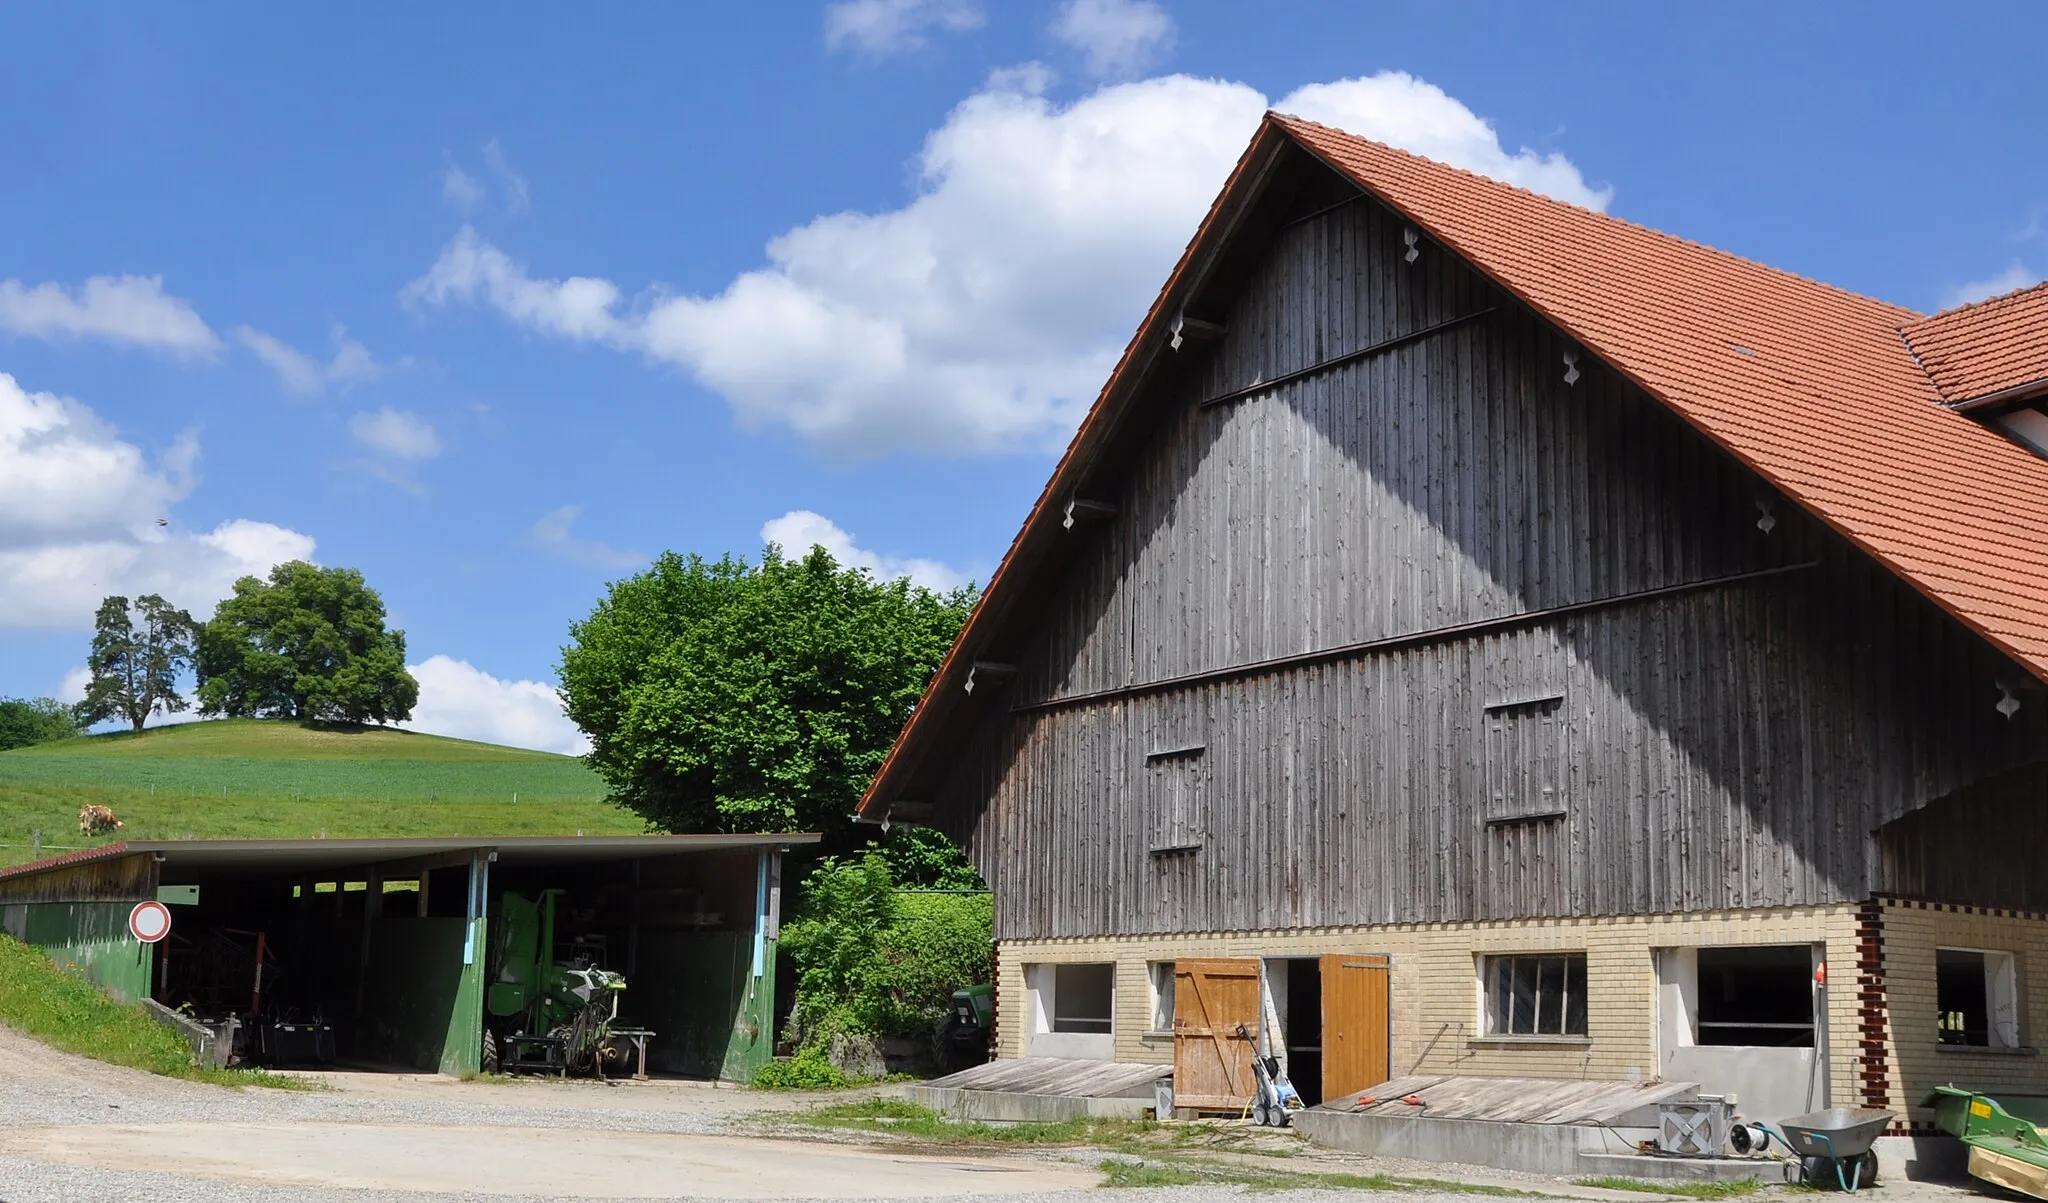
(1355, 1023)
(1212, 1065)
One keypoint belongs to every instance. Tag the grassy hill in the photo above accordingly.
(259, 779)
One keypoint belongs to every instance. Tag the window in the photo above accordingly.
(1162, 995)
(1977, 997)
(1525, 759)
(1173, 786)
(1759, 996)
(1536, 995)
(1083, 998)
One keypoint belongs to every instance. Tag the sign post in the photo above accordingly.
(149, 922)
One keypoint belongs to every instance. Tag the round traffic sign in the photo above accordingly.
(149, 921)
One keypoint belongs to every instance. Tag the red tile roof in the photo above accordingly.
(1811, 386)
(1986, 348)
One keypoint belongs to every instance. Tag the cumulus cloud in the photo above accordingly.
(397, 433)
(800, 530)
(460, 700)
(885, 27)
(134, 310)
(984, 314)
(301, 373)
(2013, 278)
(84, 513)
(1115, 37)
(555, 533)
(59, 585)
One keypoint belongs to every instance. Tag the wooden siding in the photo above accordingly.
(1727, 744)
(1982, 846)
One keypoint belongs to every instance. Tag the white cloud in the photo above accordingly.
(460, 700)
(1396, 108)
(71, 690)
(984, 314)
(1115, 37)
(118, 309)
(883, 27)
(555, 532)
(517, 199)
(2013, 278)
(84, 513)
(460, 190)
(800, 530)
(301, 373)
(59, 585)
(397, 433)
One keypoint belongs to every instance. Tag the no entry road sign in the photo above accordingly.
(149, 921)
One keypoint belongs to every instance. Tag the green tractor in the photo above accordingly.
(540, 1014)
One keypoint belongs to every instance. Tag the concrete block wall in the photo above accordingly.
(1435, 994)
(1916, 1060)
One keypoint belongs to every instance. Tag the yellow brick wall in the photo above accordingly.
(1916, 1060)
(1435, 994)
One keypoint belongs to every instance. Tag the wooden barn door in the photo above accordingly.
(1212, 1066)
(1355, 1024)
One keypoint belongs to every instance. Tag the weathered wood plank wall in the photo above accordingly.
(1725, 745)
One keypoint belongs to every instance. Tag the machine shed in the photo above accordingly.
(394, 952)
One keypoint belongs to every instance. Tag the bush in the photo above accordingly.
(24, 722)
(871, 961)
(810, 1069)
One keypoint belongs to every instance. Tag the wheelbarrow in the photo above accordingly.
(1833, 1146)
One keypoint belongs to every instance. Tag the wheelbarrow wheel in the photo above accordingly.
(1855, 1173)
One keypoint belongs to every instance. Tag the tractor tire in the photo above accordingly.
(490, 1061)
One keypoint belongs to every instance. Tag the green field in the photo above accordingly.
(260, 779)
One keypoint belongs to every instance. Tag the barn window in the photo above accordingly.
(1174, 798)
(1525, 759)
(1161, 973)
(1536, 995)
(1977, 997)
(1083, 998)
(1761, 996)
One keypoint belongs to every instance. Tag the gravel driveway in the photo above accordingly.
(78, 1131)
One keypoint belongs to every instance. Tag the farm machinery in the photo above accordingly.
(541, 1014)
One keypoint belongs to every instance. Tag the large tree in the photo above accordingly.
(135, 665)
(734, 697)
(308, 643)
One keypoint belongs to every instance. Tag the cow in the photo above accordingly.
(98, 820)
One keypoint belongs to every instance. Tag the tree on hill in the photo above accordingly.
(308, 643)
(734, 697)
(25, 721)
(135, 666)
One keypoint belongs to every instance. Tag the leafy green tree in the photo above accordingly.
(135, 666)
(734, 697)
(309, 643)
(25, 721)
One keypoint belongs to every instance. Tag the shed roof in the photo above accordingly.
(1990, 348)
(1815, 388)
(193, 860)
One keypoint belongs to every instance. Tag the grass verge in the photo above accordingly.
(1151, 1154)
(40, 1000)
(1690, 1190)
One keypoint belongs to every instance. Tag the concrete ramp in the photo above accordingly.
(1536, 1125)
(1033, 1089)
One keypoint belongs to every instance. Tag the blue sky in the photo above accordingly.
(494, 302)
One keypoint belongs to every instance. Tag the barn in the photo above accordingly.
(1472, 637)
